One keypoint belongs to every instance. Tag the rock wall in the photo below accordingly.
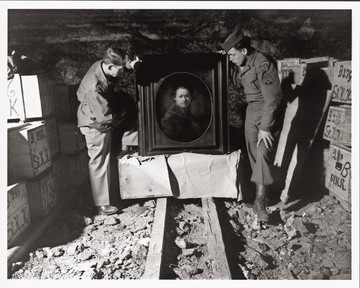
(67, 42)
(82, 35)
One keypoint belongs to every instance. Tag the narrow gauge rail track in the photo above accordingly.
(217, 257)
(168, 238)
(157, 261)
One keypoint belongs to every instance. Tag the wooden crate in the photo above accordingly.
(71, 139)
(290, 113)
(306, 114)
(319, 63)
(76, 168)
(299, 71)
(37, 96)
(332, 61)
(295, 140)
(323, 59)
(72, 172)
(66, 103)
(325, 159)
(338, 125)
(60, 175)
(18, 217)
(11, 176)
(338, 173)
(53, 135)
(41, 194)
(15, 109)
(283, 63)
(329, 71)
(28, 150)
(301, 66)
(341, 82)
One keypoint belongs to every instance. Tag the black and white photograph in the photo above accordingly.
(180, 140)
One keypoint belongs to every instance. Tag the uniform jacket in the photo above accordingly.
(261, 84)
(101, 99)
(92, 94)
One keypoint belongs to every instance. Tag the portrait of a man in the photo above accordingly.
(185, 107)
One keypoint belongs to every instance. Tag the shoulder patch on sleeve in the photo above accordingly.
(267, 79)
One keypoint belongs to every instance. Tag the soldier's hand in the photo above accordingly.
(101, 127)
(266, 137)
(131, 64)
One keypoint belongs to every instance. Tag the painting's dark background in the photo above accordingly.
(67, 42)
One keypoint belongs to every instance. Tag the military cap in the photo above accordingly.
(233, 39)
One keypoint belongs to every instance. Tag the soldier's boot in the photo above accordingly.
(259, 203)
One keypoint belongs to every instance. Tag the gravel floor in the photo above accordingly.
(311, 241)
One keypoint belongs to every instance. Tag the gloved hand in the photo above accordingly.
(221, 52)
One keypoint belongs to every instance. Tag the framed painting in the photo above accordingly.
(183, 104)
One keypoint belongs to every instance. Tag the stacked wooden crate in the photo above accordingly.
(338, 132)
(308, 100)
(18, 211)
(30, 193)
(294, 65)
(39, 164)
(29, 96)
(73, 154)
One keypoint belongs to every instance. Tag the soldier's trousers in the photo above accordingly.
(99, 147)
(261, 158)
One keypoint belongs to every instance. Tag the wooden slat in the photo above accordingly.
(296, 164)
(153, 260)
(215, 241)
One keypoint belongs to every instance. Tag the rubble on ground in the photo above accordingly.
(105, 247)
(312, 242)
(308, 242)
(193, 259)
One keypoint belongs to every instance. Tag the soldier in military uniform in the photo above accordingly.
(258, 76)
(96, 119)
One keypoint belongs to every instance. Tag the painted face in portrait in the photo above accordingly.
(182, 97)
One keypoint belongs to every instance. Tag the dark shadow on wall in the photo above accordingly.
(311, 99)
